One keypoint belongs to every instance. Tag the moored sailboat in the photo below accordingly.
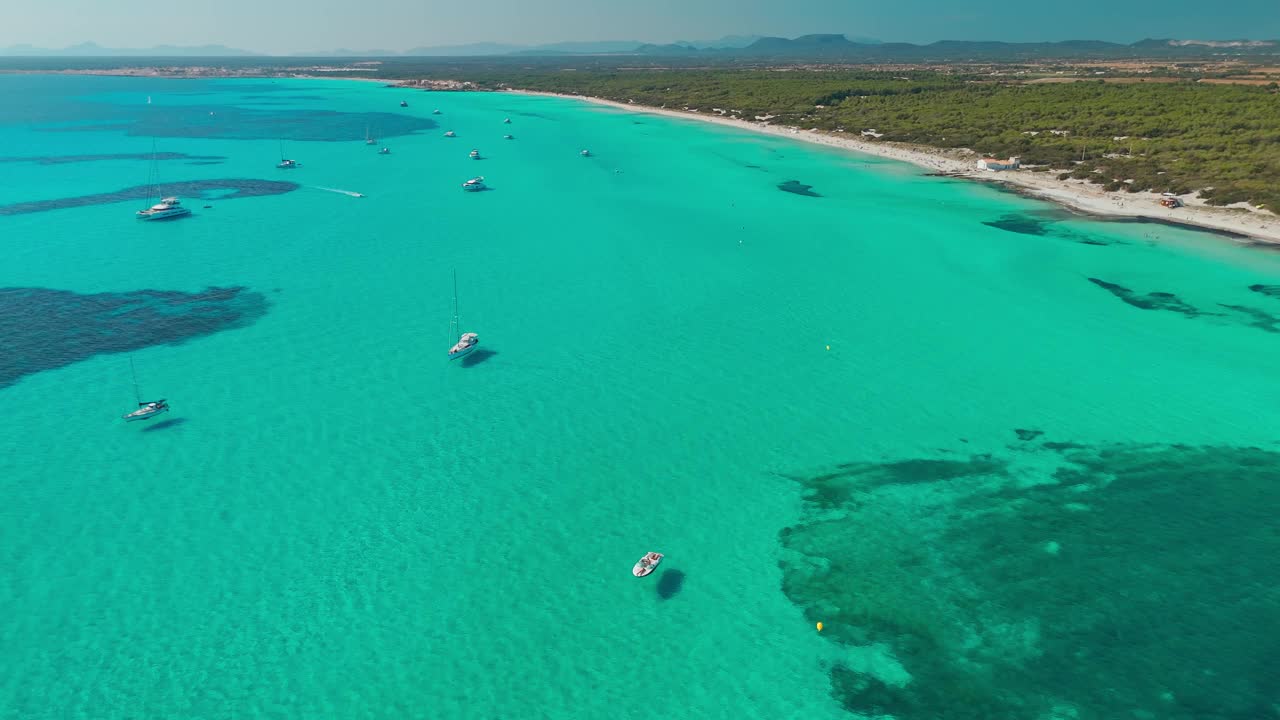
(285, 163)
(466, 341)
(147, 409)
(166, 208)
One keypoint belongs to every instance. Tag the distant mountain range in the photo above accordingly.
(89, 49)
(818, 48)
(838, 48)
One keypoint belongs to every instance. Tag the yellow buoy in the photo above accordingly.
(819, 627)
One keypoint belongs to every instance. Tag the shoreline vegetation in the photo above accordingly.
(1239, 222)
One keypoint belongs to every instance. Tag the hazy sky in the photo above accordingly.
(297, 25)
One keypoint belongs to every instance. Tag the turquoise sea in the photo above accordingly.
(1020, 464)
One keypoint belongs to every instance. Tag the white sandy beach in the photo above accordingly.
(1075, 194)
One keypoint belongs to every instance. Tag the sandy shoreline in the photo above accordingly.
(1074, 194)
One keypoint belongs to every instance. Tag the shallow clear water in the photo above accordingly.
(809, 403)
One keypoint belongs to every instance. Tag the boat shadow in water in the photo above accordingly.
(670, 584)
(165, 424)
(477, 356)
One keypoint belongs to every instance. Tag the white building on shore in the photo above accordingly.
(993, 164)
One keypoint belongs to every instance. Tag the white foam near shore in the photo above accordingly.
(1075, 194)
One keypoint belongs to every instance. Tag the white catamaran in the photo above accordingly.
(467, 341)
(285, 163)
(146, 409)
(166, 208)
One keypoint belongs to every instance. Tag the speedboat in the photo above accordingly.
(464, 346)
(506, 121)
(148, 410)
(647, 564)
(436, 111)
(384, 151)
(474, 184)
(450, 134)
(288, 164)
(166, 209)
(475, 155)
(404, 104)
(507, 137)
(585, 153)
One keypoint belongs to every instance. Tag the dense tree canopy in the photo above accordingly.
(1181, 136)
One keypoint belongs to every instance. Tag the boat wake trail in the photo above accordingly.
(352, 193)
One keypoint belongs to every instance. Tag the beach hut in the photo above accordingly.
(993, 164)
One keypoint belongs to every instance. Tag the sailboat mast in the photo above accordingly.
(454, 324)
(154, 178)
(133, 371)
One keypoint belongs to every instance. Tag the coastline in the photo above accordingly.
(1239, 223)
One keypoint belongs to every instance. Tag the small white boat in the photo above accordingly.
(167, 209)
(451, 134)
(436, 111)
(146, 409)
(647, 564)
(384, 151)
(585, 153)
(474, 155)
(369, 139)
(467, 341)
(507, 137)
(506, 121)
(474, 184)
(284, 163)
(404, 104)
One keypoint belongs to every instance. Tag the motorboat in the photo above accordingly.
(508, 137)
(647, 564)
(474, 155)
(148, 410)
(585, 153)
(385, 151)
(474, 184)
(167, 209)
(404, 104)
(436, 111)
(450, 133)
(506, 121)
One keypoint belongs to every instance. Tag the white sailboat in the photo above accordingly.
(369, 139)
(466, 341)
(146, 409)
(166, 208)
(286, 164)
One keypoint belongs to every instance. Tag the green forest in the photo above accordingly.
(1220, 140)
